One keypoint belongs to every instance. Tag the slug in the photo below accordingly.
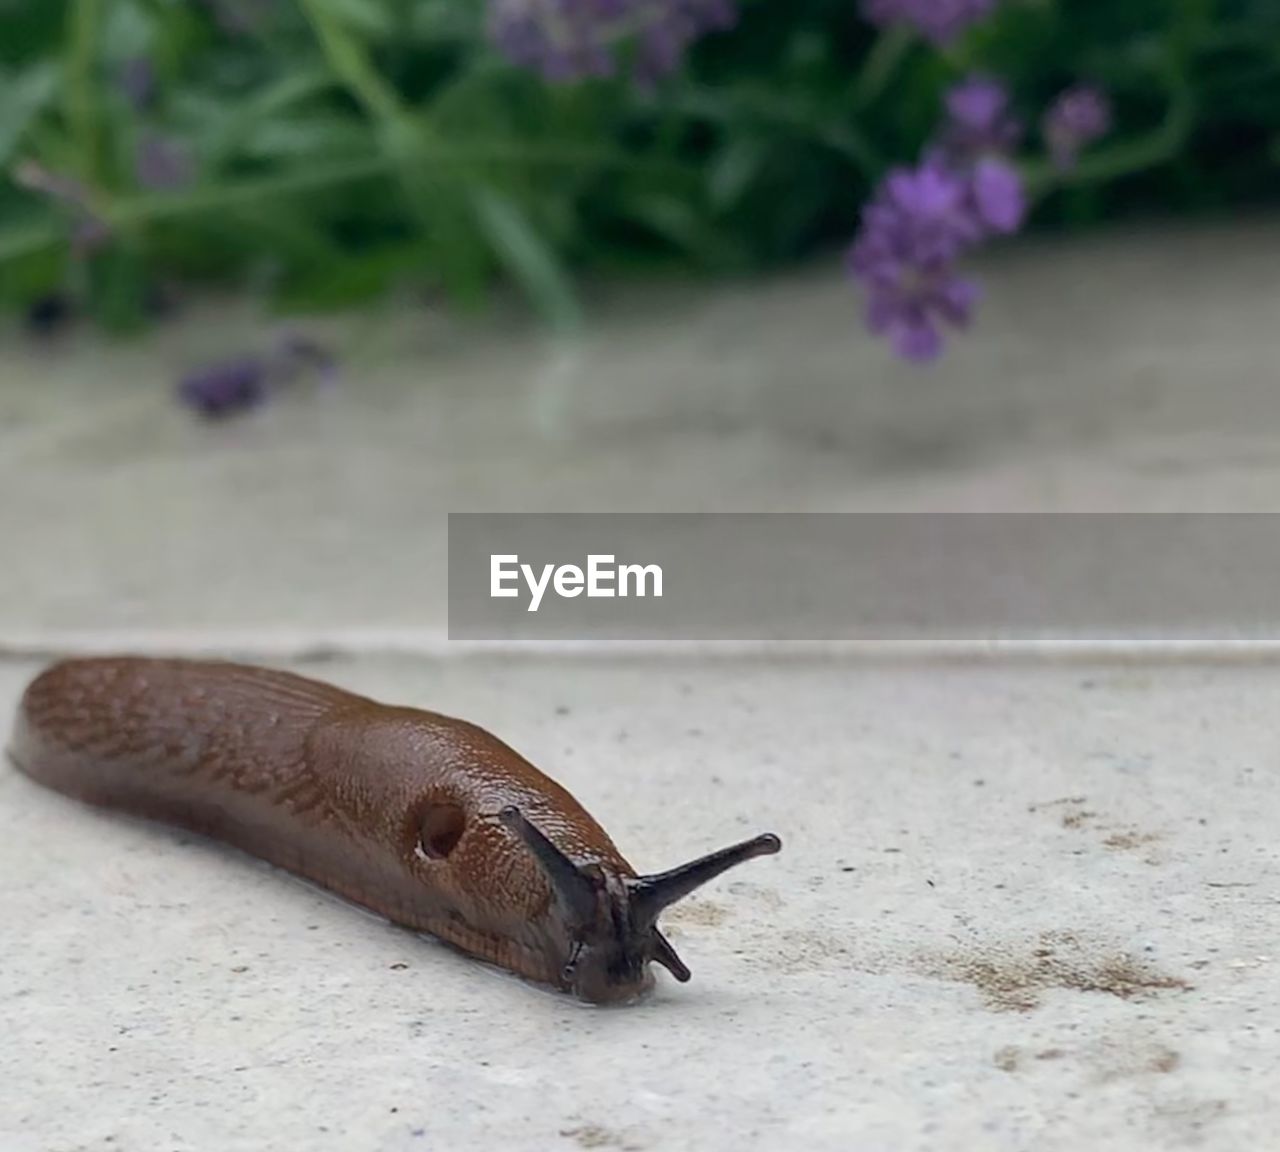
(429, 821)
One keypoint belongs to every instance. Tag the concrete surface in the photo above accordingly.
(1021, 905)
(1016, 908)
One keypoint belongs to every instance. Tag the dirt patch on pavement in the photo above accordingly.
(1014, 977)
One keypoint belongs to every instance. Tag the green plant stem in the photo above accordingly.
(81, 102)
(882, 62)
(350, 63)
(777, 109)
(138, 211)
(407, 140)
(1159, 146)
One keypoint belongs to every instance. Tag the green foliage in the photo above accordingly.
(343, 147)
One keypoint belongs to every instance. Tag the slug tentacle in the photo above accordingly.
(665, 955)
(573, 888)
(393, 808)
(651, 894)
(613, 918)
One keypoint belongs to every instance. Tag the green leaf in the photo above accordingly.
(286, 231)
(22, 98)
(223, 125)
(459, 255)
(681, 225)
(444, 21)
(349, 282)
(370, 18)
(127, 30)
(733, 170)
(29, 237)
(325, 136)
(350, 61)
(527, 257)
(27, 278)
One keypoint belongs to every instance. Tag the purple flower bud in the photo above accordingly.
(238, 17)
(568, 40)
(226, 387)
(1078, 117)
(938, 21)
(89, 234)
(997, 196)
(163, 163)
(137, 80)
(979, 122)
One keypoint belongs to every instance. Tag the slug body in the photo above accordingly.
(429, 821)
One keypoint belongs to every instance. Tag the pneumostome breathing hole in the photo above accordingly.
(442, 828)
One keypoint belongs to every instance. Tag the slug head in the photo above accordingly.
(612, 918)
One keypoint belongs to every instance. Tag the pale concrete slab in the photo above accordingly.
(1017, 907)
(1132, 371)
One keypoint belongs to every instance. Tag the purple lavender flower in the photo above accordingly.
(238, 17)
(1078, 117)
(560, 45)
(997, 197)
(89, 234)
(921, 222)
(938, 21)
(976, 141)
(225, 387)
(137, 80)
(913, 234)
(672, 27)
(979, 122)
(163, 163)
(567, 40)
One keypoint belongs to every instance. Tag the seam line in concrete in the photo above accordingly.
(303, 646)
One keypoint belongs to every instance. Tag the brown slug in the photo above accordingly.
(427, 820)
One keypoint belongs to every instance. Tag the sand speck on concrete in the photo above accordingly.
(1006, 1058)
(1014, 977)
(1128, 840)
(702, 912)
(598, 1136)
